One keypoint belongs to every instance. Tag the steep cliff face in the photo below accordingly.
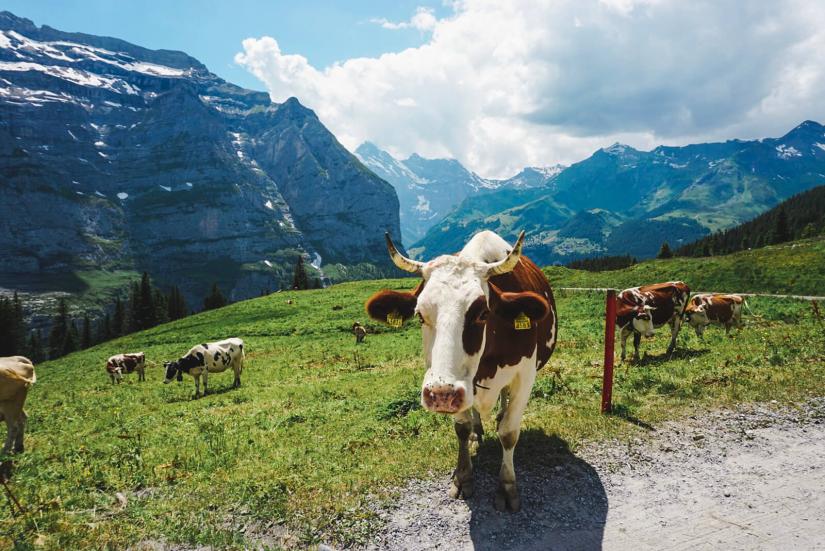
(113, 157)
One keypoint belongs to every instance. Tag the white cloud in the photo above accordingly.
(507, 84)
(424, 20)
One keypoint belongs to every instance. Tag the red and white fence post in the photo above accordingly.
(609, 328)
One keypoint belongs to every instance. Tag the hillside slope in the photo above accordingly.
(791, 268)
(115, 157)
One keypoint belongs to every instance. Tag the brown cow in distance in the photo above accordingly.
(708, 308)
(641, 310)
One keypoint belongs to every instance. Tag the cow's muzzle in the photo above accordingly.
(443, 398)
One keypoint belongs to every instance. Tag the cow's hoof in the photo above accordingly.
(462, 488)
(507, 498)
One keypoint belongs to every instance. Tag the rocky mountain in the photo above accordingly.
(624, 201)
(114, 157)
(428, 189)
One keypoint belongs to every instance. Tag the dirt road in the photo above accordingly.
(750, 478)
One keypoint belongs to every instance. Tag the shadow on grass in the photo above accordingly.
(212, 392)
(563, 501)
(678, 354)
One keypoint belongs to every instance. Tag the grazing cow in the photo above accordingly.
(710, 308)
(207, 358)
(359, 331)
(640, 310)
(16, 376)
(119, 364)
(488, 322)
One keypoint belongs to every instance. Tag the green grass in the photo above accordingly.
(321, 424)
(792, 268)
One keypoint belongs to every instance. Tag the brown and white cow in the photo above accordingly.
(119, 364)
(640, 310)
(16, 376)
(488, 322)
(708, 308)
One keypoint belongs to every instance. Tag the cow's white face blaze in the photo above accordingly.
(643, 322)
(453, 309)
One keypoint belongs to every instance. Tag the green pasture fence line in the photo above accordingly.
(769, 295)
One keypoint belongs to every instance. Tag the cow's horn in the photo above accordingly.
(507, 265)
(406, 264)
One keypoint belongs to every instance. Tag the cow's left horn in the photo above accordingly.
(406, 264)
(508, 264)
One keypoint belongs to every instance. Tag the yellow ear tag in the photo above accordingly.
(394, 319)
(521, 322)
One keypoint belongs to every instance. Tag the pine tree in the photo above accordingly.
(86, 335)
(133, 313)
(215, 299)
(119, 320)
(72, 339)
(176, 305)
(60, 330)
(144, 315)
(12, 327)
(299, 279)
(781, 233)
(104, 328)
(664, 251)
(35, 350)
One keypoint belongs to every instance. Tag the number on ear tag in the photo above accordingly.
(394, 319)
(521, 322)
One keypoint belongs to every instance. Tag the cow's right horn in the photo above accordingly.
(406, 264)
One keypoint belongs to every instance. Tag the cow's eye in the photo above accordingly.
(482, 316)
(421, 318)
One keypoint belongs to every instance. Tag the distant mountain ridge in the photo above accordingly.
(624, 201)
(116, 157)
(429, 189)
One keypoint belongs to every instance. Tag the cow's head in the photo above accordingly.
(697, 317)
(454, 303)
(641, 318)
(171, 371)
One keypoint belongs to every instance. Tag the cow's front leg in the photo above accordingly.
(21, 429)
(637, 339)
(624, 334)
(205, 381)
(509, 428)
(197, 385)
(237, 381)
(462, 482)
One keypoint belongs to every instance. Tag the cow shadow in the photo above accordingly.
(664, 357)
(563, 501)
(213, 391)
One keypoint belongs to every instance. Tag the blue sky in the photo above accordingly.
(212, 31)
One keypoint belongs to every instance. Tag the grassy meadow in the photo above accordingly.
(321, 427)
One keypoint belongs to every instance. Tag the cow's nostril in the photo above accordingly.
(443, 398)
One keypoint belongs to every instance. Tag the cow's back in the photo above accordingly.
(669, 300)
(506, 342)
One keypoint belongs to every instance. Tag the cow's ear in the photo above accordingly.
(385, 302)
(511, 305)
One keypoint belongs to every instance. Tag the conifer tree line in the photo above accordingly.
(801, 216)
(603, 263)
(145, 306)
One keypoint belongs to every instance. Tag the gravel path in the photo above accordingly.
(749, 478)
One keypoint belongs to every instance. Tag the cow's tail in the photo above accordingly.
(748, 308)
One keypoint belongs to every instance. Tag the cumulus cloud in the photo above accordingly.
(501, 85)
(424, 20)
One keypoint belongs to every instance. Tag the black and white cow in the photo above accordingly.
(207, 358)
